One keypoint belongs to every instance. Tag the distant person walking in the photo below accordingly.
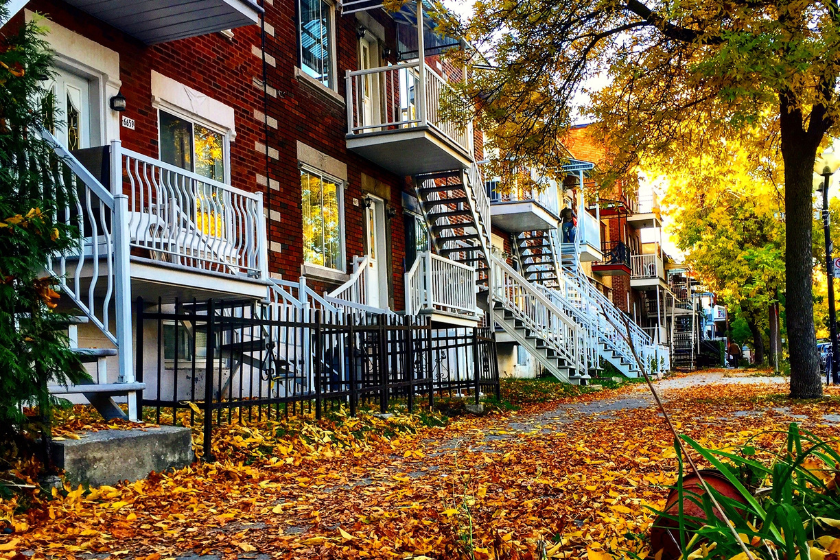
(569, 224)
(734, 354)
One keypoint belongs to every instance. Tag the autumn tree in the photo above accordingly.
(677, 71)
(727, 211)
(33, 350)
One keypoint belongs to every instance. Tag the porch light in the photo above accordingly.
(118, 102)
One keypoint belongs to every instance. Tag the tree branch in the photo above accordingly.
(670, 30)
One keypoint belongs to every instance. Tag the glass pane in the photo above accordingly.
(176, 139)
(371, 231)
(332, 225)
(422, 236)
(209, 153)
(73, 132)
(310, 186)
(315, 40)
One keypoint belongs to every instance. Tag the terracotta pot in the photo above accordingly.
(665, 533)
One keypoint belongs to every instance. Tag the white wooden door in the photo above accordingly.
(71, 102)
(376, 279)
(368, 58)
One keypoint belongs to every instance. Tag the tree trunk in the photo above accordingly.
(799, 150)
(775, 336)
(758, 339)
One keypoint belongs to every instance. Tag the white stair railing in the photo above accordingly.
(435, 283)
(96, 275)
(537, 313)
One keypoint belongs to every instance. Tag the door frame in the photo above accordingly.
(383, 261)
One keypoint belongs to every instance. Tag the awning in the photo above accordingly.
(160, 21)
(406, 20)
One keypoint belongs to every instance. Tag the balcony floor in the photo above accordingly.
(410, 151)
(647, 283)
(616, 269)
(645, 221)
(522, 215)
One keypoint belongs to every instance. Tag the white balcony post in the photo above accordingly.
(349, 100)
(261, 250)
(427, 298)
(122, 278)
(420, 96)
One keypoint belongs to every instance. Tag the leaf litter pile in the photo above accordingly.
(567, 478)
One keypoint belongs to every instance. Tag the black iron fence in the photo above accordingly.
(226, 360)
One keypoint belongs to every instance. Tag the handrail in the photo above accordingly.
(537, 312)
(645, 266)
(354, 288)
(482, 202)
(400, 66)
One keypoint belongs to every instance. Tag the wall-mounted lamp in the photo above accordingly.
(391, 212)
(367, 201)
(118, 102)
(360, 32)
(387, 52)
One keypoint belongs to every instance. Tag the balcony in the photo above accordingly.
(646, 212)
(589, 232)
(443, 289)
(522, 209)
(647, 271)
(161, 21)
(394, 120)
(616, 261)
(188, 236)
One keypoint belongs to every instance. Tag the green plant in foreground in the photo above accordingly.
(790, 509)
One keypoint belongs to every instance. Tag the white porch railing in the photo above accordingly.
(646, 202)
(386, 99)
(437, 284)
(190, 220)
(646, 266)
(538, 313)
(352, 296)
(589, 230)
(545, 196)
(482, 202)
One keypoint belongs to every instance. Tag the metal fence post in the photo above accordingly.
(354, 394)
(495, 361)
(409, 361)
(476, 366)
(140, 346)
(430, 365)
(208, 383)
(318, 357)
(383, 367)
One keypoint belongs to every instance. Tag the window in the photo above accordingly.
(180, 341)
(316, 38)
(191, 146)
(521, 356)
(322, 219)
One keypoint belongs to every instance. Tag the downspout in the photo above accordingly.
(265, 125)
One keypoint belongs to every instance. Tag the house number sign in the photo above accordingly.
(127, 123)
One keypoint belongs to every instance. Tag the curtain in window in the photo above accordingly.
(315, 48)
(321, 220)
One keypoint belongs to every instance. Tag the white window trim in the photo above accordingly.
(333, 87)
(194, 119)
(317, 269)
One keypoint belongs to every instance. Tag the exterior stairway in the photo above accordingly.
(457, 212)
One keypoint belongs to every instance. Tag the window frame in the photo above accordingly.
(342, 186)
(194, 120)
(333, 65)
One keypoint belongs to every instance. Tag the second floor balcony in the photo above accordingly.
(519, 209)
(616, 261)
(645, 212)
(395, 120)
(160, 21)
(647, 271)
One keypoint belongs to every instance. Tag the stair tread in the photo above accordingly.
(88, 355)
(112, 388)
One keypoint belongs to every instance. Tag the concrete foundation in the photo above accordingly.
(110, 456)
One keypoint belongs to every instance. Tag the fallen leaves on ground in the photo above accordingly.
(573, 478)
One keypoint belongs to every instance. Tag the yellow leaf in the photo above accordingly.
(591, 488)
(131, 516)
(194, 406)
(347, 536)
(315, 540)
(620, 508)
(277, 509)
(593, 554)
(118, 505)
(73, 436)
(10, 545)
(247, 547)
(449, 512)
